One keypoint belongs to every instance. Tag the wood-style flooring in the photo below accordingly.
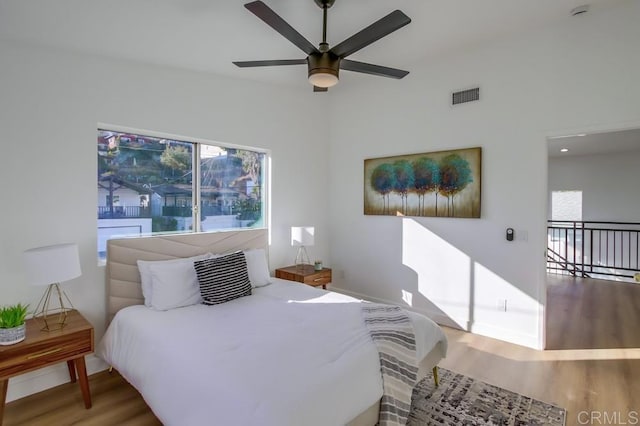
(584, 313)
(115, 402)
(592, 366)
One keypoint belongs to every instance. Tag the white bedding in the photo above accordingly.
(275, 358)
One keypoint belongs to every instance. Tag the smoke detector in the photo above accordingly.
(579, 10)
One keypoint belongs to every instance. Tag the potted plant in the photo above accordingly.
(12, 326)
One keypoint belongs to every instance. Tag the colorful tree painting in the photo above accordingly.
(383, 181)
(403, 181)
(401, 185)
(426, 174)
(455, 175)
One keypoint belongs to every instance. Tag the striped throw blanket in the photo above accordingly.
(392, 332)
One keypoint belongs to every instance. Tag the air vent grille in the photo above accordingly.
(466, 96)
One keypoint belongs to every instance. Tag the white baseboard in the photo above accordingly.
(48, 377)
(433, 315)
(531, 341)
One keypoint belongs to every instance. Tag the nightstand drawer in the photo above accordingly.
(43, 353)
(305, 274)
(322, 278)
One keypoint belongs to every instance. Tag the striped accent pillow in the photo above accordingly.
(223, 278)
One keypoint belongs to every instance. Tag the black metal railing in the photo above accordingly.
(596, 249)
(177, 211)
(215, 210)
(123, 212)
(562, 263)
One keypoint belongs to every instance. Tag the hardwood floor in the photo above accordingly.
(592, 362)
(584, 313)
(593, 367)
(115, 402)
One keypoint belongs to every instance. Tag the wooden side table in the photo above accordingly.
(43, 348)
(305, 274)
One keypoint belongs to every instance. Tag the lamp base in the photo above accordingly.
(302, 258)
(53, 318)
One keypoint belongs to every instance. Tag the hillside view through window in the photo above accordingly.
(146, 186)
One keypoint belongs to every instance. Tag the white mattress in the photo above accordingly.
(289, 354)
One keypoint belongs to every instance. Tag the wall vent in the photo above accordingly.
(465, 96)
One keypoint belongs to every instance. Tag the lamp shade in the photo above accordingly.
(52, 264)
(302, 236)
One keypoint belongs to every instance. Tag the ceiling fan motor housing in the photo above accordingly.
(324, 63)
(325, 3)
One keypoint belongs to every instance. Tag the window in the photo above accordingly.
(566, 205)
(146, 186)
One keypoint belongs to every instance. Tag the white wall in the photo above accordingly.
(50, 104)
(609, 184)
(580, 74)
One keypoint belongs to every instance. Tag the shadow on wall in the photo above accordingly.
(457, 291)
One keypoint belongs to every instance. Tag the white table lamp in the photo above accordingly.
(302, 237)
(50, 266)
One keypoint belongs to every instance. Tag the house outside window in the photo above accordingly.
(146, 186)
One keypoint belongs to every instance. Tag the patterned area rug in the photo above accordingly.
(461, 400)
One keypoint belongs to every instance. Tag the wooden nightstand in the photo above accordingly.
(41, 349)
(305, 274)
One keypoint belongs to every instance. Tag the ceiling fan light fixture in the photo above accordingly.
(323, 69)
(324, 62)
(323, 78)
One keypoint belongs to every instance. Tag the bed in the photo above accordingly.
(289, 354)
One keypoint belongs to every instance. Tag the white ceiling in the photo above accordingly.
(206, 35)
(595, 143)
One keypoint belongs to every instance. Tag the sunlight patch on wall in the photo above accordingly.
(407, 297)
(497, 301)
(443, 270)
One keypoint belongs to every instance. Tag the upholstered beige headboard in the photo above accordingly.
(123, 278)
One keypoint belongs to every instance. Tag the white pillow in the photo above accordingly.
(145, 272)
(174, 285)
(257, 267)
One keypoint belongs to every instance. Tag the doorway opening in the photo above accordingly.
(593, 240)
(593, 218)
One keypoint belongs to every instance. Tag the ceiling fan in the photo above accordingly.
(324, 63)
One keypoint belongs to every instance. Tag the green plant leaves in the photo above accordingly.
(13, 316)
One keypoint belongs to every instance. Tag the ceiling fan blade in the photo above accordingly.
(372, 33)
(378, 70)
(272, 19)
(320, 89)
(246, 64)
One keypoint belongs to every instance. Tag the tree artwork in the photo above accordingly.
(404, 181)
(416, 185)
(426, 174)
(455, 175)
(383, 181)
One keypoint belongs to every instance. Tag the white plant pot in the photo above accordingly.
(9, 336)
